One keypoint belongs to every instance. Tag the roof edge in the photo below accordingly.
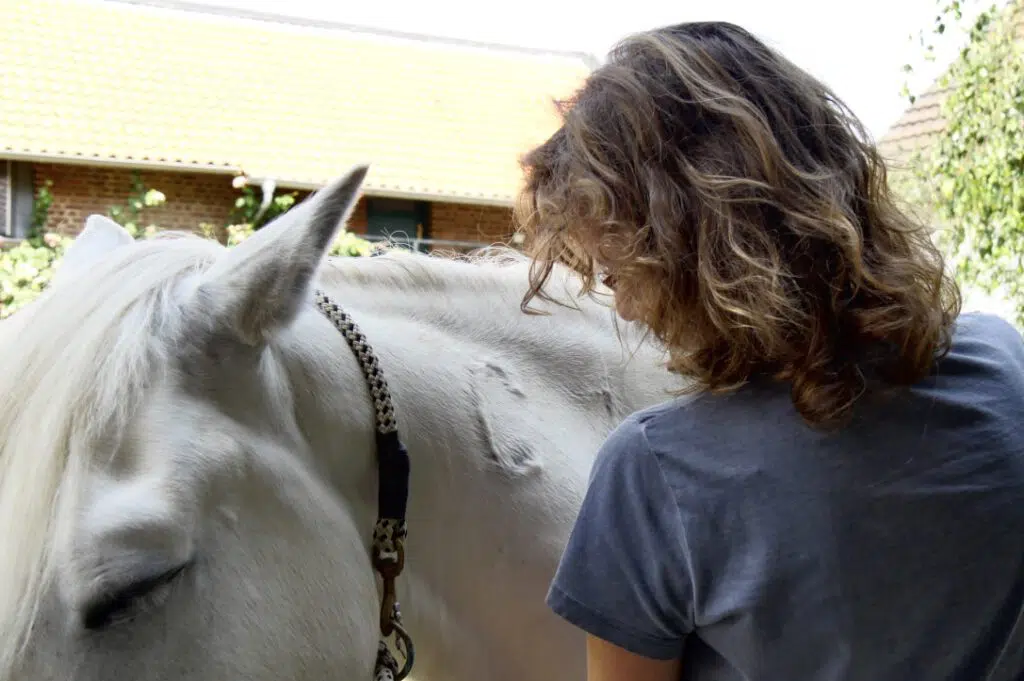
(137, 164)
(590, 60)
(386, 193)
(227, 170)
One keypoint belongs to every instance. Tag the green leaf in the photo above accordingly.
(27, 269)
(971, 178)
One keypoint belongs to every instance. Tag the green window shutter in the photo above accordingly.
(398, 220)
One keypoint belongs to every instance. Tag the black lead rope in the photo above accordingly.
(393, 466)
(390, 531)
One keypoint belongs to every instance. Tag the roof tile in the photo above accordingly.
(918, 126)
(296, 103)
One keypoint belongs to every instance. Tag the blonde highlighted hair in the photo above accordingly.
(740, 209)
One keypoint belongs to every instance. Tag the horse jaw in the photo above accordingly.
(259, 286)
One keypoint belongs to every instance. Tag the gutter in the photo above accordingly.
(377, 191)
(179, 166)
(129, 164)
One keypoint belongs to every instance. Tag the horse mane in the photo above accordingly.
(76, 363)
(437, 273)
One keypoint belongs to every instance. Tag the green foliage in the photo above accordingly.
(27, 269)
(41, 208)
(346, 244)
(971, 178)
(247, 209)
(950, 13)
(129, 214)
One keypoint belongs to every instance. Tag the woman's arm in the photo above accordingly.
(608, 662)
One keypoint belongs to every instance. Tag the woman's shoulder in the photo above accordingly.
(986, 358)
(985, 347)
(983, 330)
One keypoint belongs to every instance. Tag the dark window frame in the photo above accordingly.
(402, 221)
(20, 199)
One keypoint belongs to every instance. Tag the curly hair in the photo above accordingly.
(735, 205)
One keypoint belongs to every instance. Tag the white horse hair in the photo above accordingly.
(187, 478)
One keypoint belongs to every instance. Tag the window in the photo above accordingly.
(5, 197)
(16, 198)
(397, 220)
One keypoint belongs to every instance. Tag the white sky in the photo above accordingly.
(857, 46)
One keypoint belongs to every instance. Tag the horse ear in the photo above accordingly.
(97, 239)
(260, 285)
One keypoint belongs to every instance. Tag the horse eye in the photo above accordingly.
(123, 603)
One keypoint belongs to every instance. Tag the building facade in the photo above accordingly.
(211, 94)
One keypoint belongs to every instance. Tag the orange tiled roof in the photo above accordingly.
(125, 83)
(916, 128)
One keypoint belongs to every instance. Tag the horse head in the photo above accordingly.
(160, 509)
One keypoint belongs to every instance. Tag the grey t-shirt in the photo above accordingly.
(725, 531)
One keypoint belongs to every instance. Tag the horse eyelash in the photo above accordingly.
(127, 602)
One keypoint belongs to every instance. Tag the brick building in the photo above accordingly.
(191, 96)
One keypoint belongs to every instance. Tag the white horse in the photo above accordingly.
(187, 471)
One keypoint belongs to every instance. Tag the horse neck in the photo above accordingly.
(486, 398)
(428, 321)
(448, 335)
(401, 305)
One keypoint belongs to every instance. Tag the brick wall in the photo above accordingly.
(467, 222)
(78, 191)
(357, 222)
(195, 198)
(455, 222)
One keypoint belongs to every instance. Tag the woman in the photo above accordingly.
(844, 498)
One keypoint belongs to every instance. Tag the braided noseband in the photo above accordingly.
(392, 495)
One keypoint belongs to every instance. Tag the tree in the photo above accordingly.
(971, 177)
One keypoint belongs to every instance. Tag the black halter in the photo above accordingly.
(389, 531)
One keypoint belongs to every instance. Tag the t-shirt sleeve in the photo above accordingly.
(623, 575)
